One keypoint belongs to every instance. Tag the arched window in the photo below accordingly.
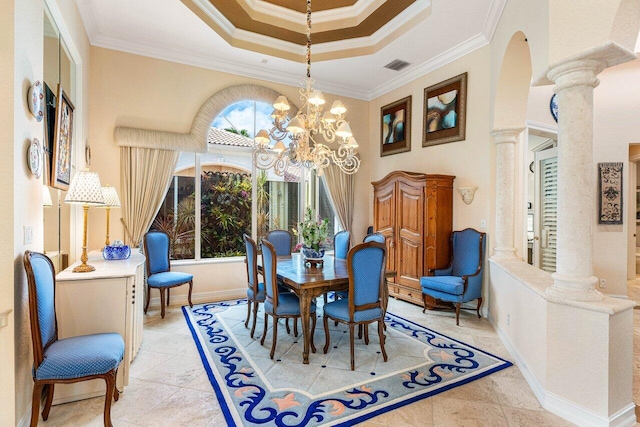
(231, 196)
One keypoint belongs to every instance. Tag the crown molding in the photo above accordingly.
(220, 64)
(438, 61)
(358, 11)
(493, 18)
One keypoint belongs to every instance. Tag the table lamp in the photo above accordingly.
(111, 200)
(85, 190)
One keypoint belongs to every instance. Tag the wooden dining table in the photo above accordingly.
(309, 282)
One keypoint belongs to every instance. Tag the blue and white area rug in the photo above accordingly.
(254, 390)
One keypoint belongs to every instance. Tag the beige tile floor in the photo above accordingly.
(169, 387)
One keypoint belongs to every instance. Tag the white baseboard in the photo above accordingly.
(558, 405)
(199, 297)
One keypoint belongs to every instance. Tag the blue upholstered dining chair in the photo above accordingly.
(67, 360)
(282, 241)
(341, 244)
(255, 289)
(159, 274)
(279, 304)
(366, 264)
(462, 281)
(374, 237)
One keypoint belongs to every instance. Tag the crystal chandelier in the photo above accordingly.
(304, 130)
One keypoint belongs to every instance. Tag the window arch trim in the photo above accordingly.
(196, 140)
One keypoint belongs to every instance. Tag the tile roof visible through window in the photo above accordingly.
(222, 137)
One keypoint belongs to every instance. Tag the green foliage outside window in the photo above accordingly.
(226, 213)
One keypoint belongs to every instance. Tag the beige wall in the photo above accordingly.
(7, 259)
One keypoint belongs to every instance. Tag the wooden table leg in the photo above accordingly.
(305, 305)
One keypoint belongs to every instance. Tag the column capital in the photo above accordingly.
(508, 135)
(597, 57)
(582, 72)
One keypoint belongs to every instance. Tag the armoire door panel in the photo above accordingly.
(410, 262)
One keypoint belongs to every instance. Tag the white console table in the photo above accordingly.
(109, 299)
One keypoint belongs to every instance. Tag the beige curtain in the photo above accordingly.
(145, 178)
(341, 187)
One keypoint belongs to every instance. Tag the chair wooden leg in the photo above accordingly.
(424, 303)
(351, 339)
(146, 307)
(366, 334)
(295, 327)
(382, 339)
(275, 337)
(264, 331)
(255, 317)
(168, 295)
(35, 404)
(324, 296)
(479, 305)
(47, 405)
(286, 324)
(116, 392)
(190, 290)
(312, 331)
(327, 336)
(360, 331)
(246, 322)
(110, 379)
(458, 314)
(162, 296)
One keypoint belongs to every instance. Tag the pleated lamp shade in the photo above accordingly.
(110, 197)
(85, 189)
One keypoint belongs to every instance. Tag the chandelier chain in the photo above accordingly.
(308, 39)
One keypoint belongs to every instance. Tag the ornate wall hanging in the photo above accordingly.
(610, 193)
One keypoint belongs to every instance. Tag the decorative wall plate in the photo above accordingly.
(553, 106)
(36, 100)
(34, 158)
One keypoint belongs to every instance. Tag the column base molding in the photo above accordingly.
(568, 288)
(504, 253)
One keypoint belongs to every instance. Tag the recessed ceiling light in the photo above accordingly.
(264, 61)
(397, 65)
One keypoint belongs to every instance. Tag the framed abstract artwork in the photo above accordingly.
(610, 193)
(63, 142)
(445, 111)
(395, 127)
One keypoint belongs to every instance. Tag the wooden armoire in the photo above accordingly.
(414, 211)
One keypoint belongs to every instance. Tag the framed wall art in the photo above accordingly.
(445, 111)
(49, 131)
(395, 127)
(610, 193)
(63, 142)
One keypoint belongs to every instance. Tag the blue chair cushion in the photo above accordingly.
(340, 310)
(260, 296)
(81, 356)
(168, 278)
(452, 285)
(288, 304)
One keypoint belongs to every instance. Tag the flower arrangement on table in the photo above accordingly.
(314, 233)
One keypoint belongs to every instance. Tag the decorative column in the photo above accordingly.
(505, 140)
(574, 81)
